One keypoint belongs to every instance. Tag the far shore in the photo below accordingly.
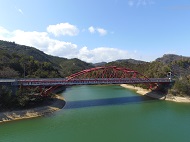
(57, 104)
(154, 94)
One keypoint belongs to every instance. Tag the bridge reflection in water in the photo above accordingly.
(107, 102)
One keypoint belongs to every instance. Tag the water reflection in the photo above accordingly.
(108, 101)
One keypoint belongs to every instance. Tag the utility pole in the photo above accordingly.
(170, 76)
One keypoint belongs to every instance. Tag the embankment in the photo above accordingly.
(156, 95)
(57, 104)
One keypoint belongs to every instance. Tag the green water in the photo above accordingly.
(136, 120)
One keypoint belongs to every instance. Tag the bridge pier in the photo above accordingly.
(14, 87)
(14, 90)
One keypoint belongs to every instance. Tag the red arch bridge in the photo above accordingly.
(93, 76)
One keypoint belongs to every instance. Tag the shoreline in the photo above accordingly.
(155, 95)
(57, 104)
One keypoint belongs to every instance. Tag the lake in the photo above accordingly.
(105, 113)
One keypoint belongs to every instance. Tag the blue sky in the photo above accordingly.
(99, 30)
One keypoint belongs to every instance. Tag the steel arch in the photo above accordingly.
(108, 72)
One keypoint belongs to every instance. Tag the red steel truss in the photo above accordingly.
(97, 75)
(107, 72)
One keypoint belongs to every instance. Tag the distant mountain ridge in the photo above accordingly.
(169, 58)
(133, 61)
(100, 64)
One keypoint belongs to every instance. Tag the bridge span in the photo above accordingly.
(93, 76)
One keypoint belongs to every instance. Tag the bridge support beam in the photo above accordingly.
(46, 92)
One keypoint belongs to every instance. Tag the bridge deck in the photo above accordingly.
(64, 81)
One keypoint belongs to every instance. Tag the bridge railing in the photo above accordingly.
(63, 81)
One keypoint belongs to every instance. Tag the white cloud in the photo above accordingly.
(62, 49)
(35, 39)
(63, 29)
(43, 42)
(20, 10)
(100, 54)
(101, 31)
(91, 29)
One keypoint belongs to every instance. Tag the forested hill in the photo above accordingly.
(178, 65)
(14, 58)
(171, 58)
